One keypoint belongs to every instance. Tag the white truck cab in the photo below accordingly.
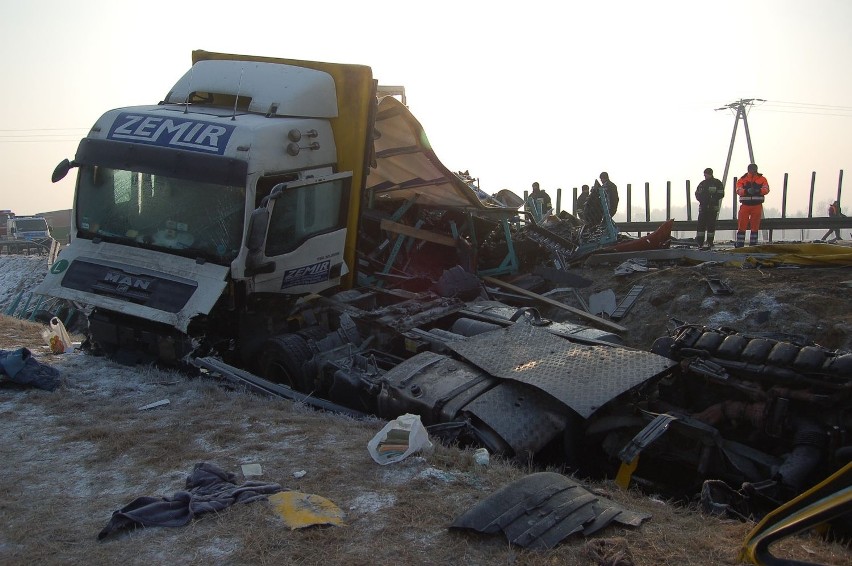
(232, 192)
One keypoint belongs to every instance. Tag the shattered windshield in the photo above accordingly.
(166, 213)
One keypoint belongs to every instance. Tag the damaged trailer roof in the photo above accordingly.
(405, 166)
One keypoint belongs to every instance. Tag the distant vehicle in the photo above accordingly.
(31, 228)
(5, 215)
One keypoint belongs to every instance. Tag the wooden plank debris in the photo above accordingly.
(417, 233)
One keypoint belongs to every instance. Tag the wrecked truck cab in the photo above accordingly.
(160, 251)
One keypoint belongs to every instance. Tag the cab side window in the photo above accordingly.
(305, 211)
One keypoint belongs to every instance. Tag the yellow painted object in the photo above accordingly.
(823, 502)
(625, 472)
(798, 254)
(301, 510)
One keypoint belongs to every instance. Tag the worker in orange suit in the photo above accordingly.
(752, 188)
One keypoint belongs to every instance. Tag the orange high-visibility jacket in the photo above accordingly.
(752, 187)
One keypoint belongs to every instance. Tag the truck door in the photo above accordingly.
(305, 236)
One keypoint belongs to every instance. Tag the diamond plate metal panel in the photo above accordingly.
(526, 418)
(584, 377)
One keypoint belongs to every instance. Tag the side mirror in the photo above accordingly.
(257, 229)
(61, 170)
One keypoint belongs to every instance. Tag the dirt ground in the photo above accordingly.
(75, 455)
(813, 303)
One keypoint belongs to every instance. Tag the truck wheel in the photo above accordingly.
(282, 360)
(315, 333)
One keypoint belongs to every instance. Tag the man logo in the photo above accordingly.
(124, 282)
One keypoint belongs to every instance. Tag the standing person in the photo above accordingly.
(542, 197)
(581, 201)
(834, 211)
(611, 192)
(752, 188)
(709, 195)
(593, 210)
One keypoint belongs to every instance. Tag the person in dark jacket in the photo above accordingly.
(582, 198)
(611, 192)
(752, 189)
(709, 195)
(541, 198)
(833, 212)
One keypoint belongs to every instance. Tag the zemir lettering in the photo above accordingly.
(171, 132)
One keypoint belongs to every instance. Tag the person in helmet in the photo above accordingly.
(752, 189)
(709, 195)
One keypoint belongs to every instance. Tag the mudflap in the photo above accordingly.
(505, 416)
(516, 420)
(540, 510)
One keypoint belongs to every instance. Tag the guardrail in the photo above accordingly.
(768, 224)
(690, 224)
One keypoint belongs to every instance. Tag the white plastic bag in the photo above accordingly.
(398, 439)
(57, 337)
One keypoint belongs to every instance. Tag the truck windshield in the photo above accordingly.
(166, 213)
(31, 224)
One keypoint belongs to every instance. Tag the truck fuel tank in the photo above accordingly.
(432, 385)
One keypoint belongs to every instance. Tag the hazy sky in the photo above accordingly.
(514, 92)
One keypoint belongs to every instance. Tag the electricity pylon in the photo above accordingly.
(739, 107)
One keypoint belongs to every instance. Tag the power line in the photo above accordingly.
(41, 135)
(44, 130)
(810, 105)
(810, 113)
(34, 135)
(69, 140)
(788, 107)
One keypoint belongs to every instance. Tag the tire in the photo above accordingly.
(810, 358)
(732, 347)
(315, 333)
(757, 350)
(709, 341)
(282, 360)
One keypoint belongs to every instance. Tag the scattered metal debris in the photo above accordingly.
(541, 510)
(719, 287)
(627, 302)
(154, 405)
(251, 470)
(602, 302)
